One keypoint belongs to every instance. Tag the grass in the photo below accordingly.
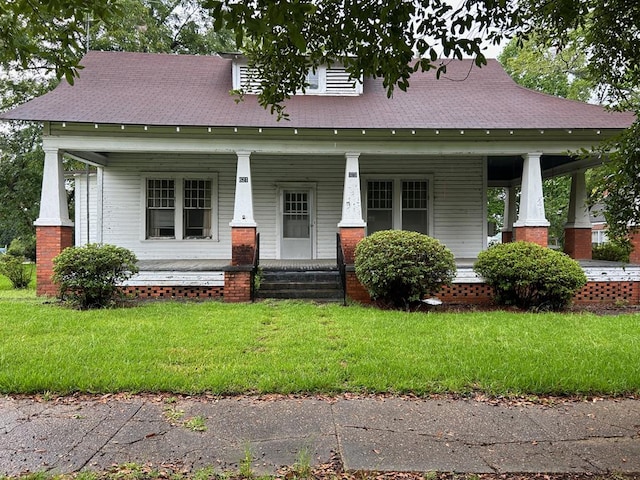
(288, 347)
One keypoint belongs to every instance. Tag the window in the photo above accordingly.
(398, 204)
(313, 79)
(161, 209)
(179, 208)
(197, 209)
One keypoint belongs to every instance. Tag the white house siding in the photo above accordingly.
(458, 195)
(325, 174)
(80, 204)
(123, 210)
(457, 183)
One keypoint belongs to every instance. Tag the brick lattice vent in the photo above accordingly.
(174, 292)
(472, 293)
(609, 292)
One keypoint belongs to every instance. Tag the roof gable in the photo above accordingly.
(184, 90)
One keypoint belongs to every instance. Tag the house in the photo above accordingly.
(186, 176)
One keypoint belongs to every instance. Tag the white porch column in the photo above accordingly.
(578, 215)
(532, 225)
(509, 214)
(531, 212)
(53, 199)
(243, 206)
(351, 198)
(577, 230)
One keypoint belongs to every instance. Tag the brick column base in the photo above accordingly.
(539, 235)
(634, 257)
(355, 290)
(237, 281)
(243, 245)
(507, 237)
(50, 241)
(349, 238)
(577, 243)
(237, 286)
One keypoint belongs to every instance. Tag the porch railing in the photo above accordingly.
(255, 267)
(342, 268)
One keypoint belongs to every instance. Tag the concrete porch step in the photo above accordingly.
(324, 285)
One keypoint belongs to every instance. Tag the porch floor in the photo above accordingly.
(202, 265)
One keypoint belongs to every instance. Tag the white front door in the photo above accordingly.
(296, 223)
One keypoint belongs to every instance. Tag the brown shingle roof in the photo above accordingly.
(182, 90)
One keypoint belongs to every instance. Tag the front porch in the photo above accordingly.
(608, 282)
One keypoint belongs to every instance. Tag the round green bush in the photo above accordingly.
(88, 276)
(612, 251)
(399, 267)
(529, 276)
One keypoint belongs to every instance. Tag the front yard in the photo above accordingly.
(284, 347)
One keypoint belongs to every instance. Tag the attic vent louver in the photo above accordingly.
(333, 81)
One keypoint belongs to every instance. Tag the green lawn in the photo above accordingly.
(298, 347)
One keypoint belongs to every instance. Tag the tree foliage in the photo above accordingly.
(49, 34)
(618, 187)
(562, 73)
(167, 26)
(21, 160)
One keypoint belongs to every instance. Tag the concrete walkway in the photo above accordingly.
(382, 434)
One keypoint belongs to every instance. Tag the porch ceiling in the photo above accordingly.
(507, 170)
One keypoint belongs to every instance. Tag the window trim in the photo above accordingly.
(396, 209)
(179, 179)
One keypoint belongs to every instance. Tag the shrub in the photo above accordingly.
(23, 247)
(88, 276)
(15, 268)
(530, 276)
(612, 251)
(399, 267)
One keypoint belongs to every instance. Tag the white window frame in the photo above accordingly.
(321, 71)
(396, 212)
(179, 179)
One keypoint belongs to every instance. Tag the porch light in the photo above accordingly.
(121, 127)
(541, 132)
(413, 132)
(177, 129)
(95, 125)
(597, 132)
(235, 129)
(260, 130)
(393, 132)
(295, 131)
(461, 132)
(335, 132)
(510, 132)
(209, 129)
(146, 128)
(488, 132)
(363, 132)
(64, 124)
(437, 132)
(569, 132)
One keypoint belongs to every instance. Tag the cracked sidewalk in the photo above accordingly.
(371, 433)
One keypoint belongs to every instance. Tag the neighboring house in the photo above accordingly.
(186, 174)
(598, 225)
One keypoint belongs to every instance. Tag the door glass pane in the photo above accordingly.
(295, 218)
(414, 206)
(379, 205)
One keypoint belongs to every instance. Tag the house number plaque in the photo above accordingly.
(243, 179)
(353, 174)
